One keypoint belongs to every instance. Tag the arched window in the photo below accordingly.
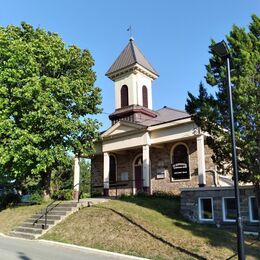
(180, 163)
(112, 169)
(145, 97)
(124, 96)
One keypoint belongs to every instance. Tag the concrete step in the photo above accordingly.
(50, 217)
(22, 235)
(60, 209)
(37, 226)
(28, 230)
(55, 212)
(68, 204)
(40, 221)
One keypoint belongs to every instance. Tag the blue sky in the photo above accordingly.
(173, 35)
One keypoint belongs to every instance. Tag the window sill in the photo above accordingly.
(173, 180)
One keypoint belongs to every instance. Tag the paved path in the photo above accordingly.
(21, 249)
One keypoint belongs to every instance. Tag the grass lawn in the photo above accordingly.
(12, 217)
(148, 227)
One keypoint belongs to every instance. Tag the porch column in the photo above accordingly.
(201, 161)
(76, 177)
(146, 168)
(106, 174)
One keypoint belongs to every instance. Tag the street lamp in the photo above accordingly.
(221, 50)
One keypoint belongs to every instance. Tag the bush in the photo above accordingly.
(165, 195)
(36, 197)
(9, 199)
(66, 194)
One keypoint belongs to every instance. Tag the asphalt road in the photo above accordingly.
(21, 249)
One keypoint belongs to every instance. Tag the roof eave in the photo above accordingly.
(132, 68)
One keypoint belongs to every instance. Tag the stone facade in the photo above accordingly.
(160, 156)
(190, 205)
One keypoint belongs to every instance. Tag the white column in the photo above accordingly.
(76, 176)
(146, 167)
(201, 160)
(106, 170)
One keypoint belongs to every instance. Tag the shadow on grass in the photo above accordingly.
(183, 250)
(170, 207)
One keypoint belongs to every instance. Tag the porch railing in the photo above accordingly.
(118, 185)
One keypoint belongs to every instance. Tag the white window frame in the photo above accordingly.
(224, 210)
(250, 210)
(199, 209)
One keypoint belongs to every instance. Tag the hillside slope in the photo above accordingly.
(148, 227)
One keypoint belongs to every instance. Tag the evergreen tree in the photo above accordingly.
(47, 93)
(210, 111)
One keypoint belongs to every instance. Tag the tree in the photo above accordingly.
(47, 93)
(210, 111)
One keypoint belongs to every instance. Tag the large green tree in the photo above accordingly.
(210, 111)
(47, 93)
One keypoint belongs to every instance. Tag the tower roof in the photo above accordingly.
(131, 55)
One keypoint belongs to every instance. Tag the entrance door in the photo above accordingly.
(138, 166)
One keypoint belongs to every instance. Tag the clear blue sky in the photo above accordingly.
(174, 35)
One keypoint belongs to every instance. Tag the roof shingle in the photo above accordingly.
(129, 56)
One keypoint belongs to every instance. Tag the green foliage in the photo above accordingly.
(47, 93)
(9, 199)
(85, 171)
(36, 198)
(210, 111)
(66, 194)
(165, 195)
(62, 177)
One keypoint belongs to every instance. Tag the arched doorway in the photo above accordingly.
(138, 173)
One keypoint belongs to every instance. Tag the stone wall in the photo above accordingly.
(190, 205)
(164, 154)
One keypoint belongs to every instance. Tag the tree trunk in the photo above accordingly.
(46, 181)
(257, 196)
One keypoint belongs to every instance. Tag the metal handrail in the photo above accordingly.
(115, 184)
(47, 210)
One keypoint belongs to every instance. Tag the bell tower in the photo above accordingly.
(132, 75)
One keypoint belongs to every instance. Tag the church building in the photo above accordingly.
(147, 150)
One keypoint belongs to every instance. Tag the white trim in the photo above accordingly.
(171, 154)
(224, 210)
(250, 210)
(199, 209)
(122, 123)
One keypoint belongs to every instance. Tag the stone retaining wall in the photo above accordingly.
(190, 205)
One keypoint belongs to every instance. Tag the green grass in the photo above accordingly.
(12, 217)
(148, 227)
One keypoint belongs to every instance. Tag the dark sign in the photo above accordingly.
(180, 171)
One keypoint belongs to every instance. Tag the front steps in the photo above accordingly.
(58, 211)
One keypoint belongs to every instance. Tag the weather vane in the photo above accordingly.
(129, 29)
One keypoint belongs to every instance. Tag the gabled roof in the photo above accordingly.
(131, 55)
(164, 115)
(121, 127)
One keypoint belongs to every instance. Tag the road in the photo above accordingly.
(21, 249)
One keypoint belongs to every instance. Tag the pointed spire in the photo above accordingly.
(131, 55)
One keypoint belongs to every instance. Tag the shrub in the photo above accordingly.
(36, 197)
(66, 194)
(9, 199)
(85, 195)
(165, 195)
